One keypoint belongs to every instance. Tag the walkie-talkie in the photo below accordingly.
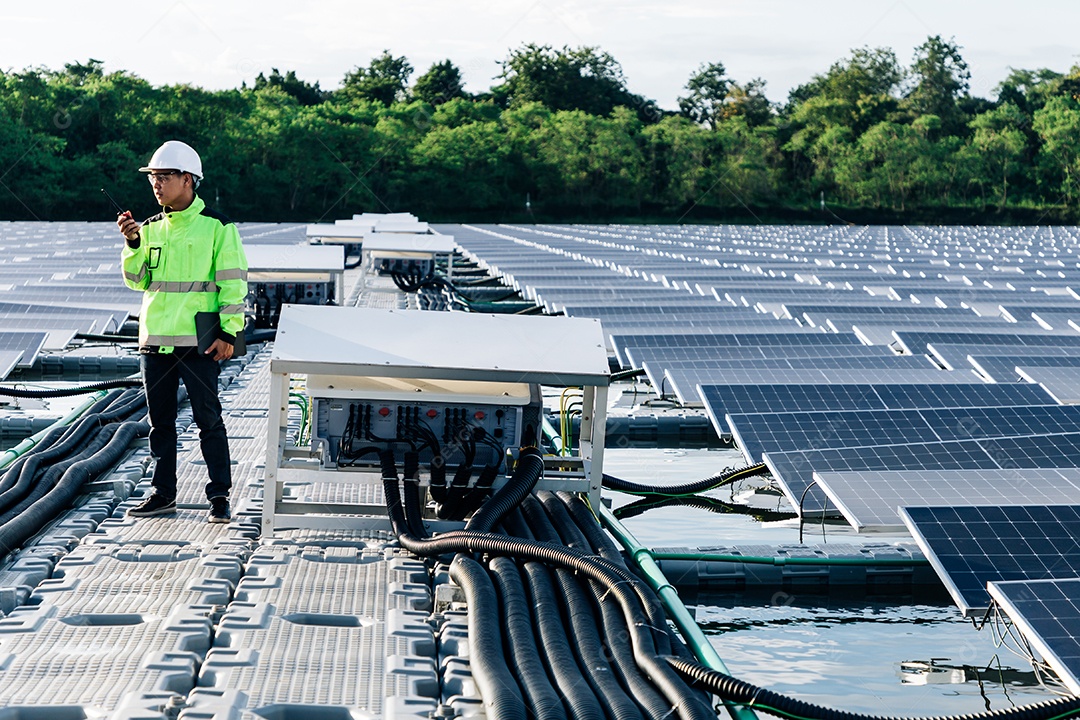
(119, 210)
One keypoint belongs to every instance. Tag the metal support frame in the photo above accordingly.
(361, 342)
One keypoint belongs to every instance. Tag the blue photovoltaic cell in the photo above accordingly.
(1047, 613)
(696, 339)
(784, 432)
(794, 470)
(956, 356)
(872, 499)
(1062, 383)
(971, 546)
(724, 399)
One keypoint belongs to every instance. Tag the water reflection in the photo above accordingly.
(877, 657)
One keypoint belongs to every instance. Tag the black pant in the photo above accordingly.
(162, 373)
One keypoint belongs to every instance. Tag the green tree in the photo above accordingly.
(941, 78)
(441, 83)
(824, 117)
(706, 92)
(678, 160)
(384, 80)
(748, 101)
(1058, 126)
(1001, 145)
(582, 78)
(305, 93)
(597, 162)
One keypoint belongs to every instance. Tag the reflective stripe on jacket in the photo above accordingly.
(186, 262)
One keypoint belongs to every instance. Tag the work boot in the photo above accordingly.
(219, 510)
(153, 505)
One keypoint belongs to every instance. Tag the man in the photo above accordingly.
(186, 259)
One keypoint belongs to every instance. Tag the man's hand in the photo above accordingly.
(128, 227)
(220, 350)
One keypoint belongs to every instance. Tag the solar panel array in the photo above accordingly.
(760, 323)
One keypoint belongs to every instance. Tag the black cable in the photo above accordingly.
(558, 655)
(759, 698)
(714, 505)
(691, 488)
(37, 515)
(529, 470)
(626, 375)
(72, 391)
(498, 687)
(581, 614)
(108, 338)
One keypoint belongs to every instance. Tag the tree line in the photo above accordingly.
(561, 136)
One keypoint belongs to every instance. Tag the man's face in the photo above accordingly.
(169, 186)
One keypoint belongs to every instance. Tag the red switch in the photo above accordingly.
(432, 413)
(384, 411)
(479, 415)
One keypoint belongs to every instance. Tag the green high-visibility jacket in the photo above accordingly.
(186, 262)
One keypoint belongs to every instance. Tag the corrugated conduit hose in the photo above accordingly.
(584, 626)
(691, 488)
(687, 704)
(544, 702)
(498, 688)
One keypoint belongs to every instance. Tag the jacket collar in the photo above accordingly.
(188, 214)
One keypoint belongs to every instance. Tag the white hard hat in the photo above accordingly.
(175, 155)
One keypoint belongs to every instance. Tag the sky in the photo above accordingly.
(220, 44)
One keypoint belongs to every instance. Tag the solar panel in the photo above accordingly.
(1002, 368)
(956, 356)
(793, 336)
(971, 546)
(794, 470)
(898, 396)
(757, 434)
(783, 432)
(1047, 613)
(685, 379)
(8, 360)
(1062, 383)
(723, 399)
(871, 499)
(27, 344)
(916, 342)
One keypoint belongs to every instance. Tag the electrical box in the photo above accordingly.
(409, 254)
(447, 422)
(291, 274)
(460, 392)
